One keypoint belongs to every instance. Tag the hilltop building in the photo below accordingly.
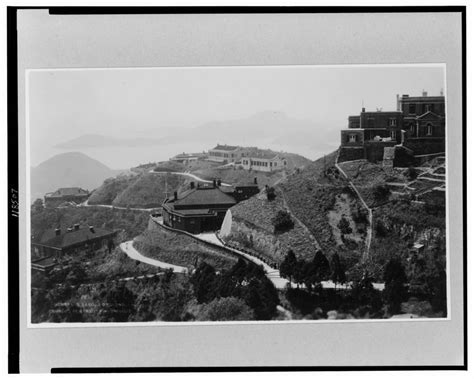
(72, 195)
(55, 244)
(185, 158)
(225, 154)
(263, 160)
(203, 206)
(416, 127)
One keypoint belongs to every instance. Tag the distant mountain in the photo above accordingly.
(270, 129)
(71, 169)
(97, 140)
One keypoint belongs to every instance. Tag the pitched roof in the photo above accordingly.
(73, 237)
(428, 113)
(226, 147)
(69, 191)
(203, 196)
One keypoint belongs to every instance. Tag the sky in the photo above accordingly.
(65, 104)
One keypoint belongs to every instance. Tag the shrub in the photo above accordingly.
(381, 192)
(271, 194)
(282, 222)
(226, 309)
(344, 226)
(411, 173)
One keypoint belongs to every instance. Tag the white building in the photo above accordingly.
(225, 154)
(263, 161)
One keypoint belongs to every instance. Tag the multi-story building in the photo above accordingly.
(418, 124)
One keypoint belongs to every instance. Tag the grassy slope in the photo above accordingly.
(180, 250)
(312, 194)
(257, 213)
(148, 190)
(110, 189)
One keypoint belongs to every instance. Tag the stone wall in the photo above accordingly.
(351, 153)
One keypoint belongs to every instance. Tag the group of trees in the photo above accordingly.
(244, 282)
(312, 273)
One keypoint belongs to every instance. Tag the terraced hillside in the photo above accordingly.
(253, 229)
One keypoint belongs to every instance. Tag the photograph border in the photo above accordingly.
(13, 222)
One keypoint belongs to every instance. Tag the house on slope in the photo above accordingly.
(59, 243)
(74, 195)
(199, 209)
(263, 160)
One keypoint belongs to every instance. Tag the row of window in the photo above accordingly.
(259, 163)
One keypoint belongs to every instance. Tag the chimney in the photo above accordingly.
(363, 109)
(91, 228)
(255, 180)
(441, 93)
(76, 226)
(175, 195)
(424, 93)
(58, 231)
(219, 182)
(191, 185)
(398, 103)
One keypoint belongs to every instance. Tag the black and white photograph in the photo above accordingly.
(237, 188)
(238, 194)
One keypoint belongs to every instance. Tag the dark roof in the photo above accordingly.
(226, 147)
(203, 196)
(73, 237)
(69, 191)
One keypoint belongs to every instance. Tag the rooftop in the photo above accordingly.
(73, 237)
(203, 196)
(226, 147)
(68, 191)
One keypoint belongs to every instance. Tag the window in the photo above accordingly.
(352, 138)
(412, 108)
(412, 128)
(393, 122)
(393, 135)
(429, 130)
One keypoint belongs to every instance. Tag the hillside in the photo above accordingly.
(252, 229)
(319, 196)
(147, 190)
(180, 249)
(68, 170)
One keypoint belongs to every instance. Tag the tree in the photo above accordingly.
(204, 283)
(226, 309)
(288, 266)
(338, 271)
(344, 226)
(316, 271)
(411, 173)
(395, 291)
(366, 298)
(282, 222)
(381, 192)
(271, 194)
(37, 206)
